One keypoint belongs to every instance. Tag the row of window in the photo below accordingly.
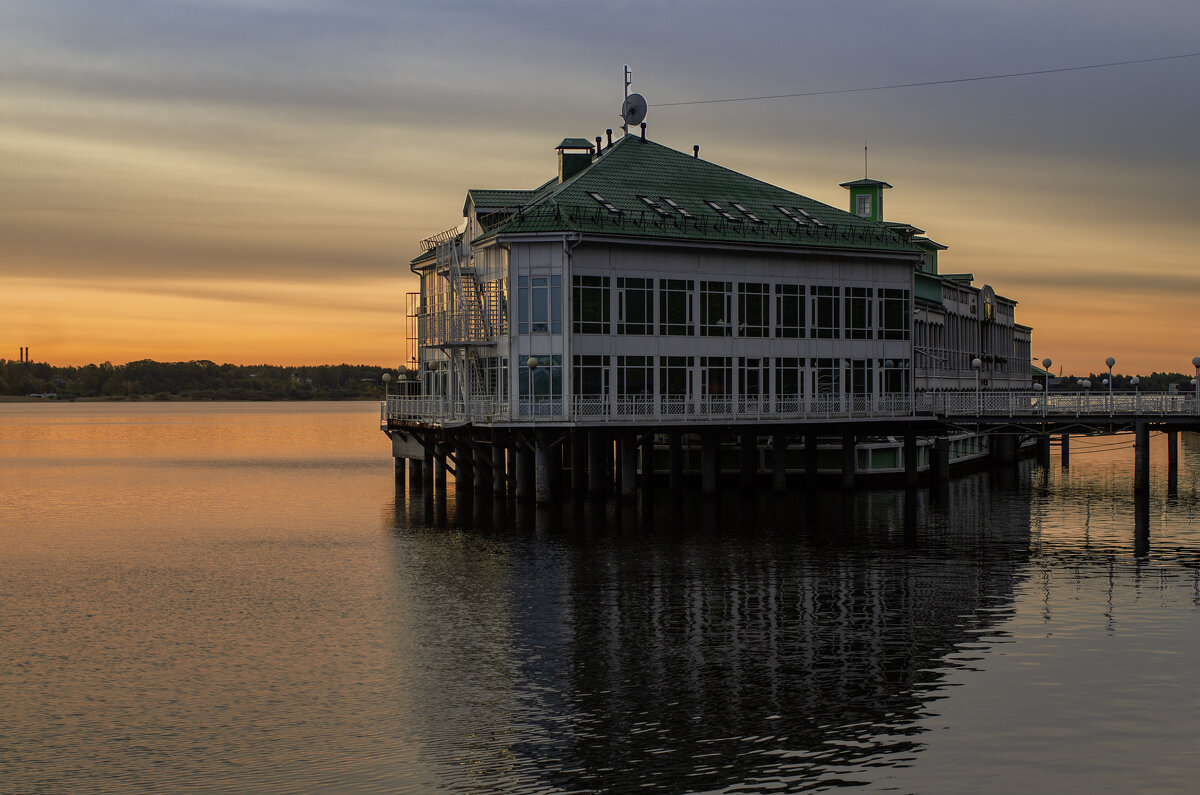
(668, 207)
(688, 307)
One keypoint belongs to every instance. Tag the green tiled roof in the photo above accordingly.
(498, 199)
(633, 167)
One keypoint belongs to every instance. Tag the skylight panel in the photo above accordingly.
(720, 210)
(807, 215)
(605, 203)
(674, 204)
(791, 216)
(754, 218)
(654, 205)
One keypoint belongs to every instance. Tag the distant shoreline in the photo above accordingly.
(175, 399)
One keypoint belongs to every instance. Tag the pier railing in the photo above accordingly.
(438, 410)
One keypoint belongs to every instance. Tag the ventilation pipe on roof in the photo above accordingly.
(608, 132)
(696, 150)
(643, 131)
(598, 150)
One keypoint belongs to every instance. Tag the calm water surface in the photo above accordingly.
(234, 598)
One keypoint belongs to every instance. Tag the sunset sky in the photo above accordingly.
(246, 180)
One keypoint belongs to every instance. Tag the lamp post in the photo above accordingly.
(1196, 381)
(1136, 396)
(1046, 366)
(387, 378)
(1110, 361)
(976, 363)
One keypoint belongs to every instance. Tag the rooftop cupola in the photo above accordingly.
(866, 197)
(574, 155)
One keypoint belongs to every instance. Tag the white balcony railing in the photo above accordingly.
(433, 409)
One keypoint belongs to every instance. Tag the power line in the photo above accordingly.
(932, 82)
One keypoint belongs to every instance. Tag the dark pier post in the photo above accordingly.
(543, 469)
(510, 458)
(675, 460)
(525, 471)
(940, 466)
(1004, 448)
(464, 465)
(439, 466)
(1141, 456)
(554, 465)
(416, 468)
(1043, 449)
(579, 450)
(483, 468)
(779, 445)
(628, 470)
(710, 461)
(910, 461)
(1172, 453)
(849, 459)
(748, 460)
(812, 459)
(1065, 450)
(401, 471)
(646, 448)
(427, 467)
(597, 482)
(499, 473)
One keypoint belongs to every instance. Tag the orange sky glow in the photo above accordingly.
(247, 184)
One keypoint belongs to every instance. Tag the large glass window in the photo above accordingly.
(541, 386)
(716, 376)
(858, 313)
(895, 376)
(715, 306)
(789, 377)
(789, 311)
(828, 377)
(895, 307)
(675, 297)
(675, 375)
(635, 306)
(539, 305)
(751, 376)
(753, 310)
(635, 375)
(591, 376)
(859, 377)
(826, 316)
(590, 304)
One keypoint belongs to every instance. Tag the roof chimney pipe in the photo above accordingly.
(696, 150)
(608, 132)
(598, 149)
(643, 131)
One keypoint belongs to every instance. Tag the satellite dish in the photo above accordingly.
(633, 110)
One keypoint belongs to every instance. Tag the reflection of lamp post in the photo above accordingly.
(976, 363)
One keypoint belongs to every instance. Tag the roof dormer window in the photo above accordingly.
(862, 205)
(605, 203)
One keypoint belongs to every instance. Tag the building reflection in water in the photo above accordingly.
(689, 644)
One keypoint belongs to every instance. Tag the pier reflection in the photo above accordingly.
(687, 643)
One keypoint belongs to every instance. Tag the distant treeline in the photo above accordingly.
(199, 380)
(1155, 382)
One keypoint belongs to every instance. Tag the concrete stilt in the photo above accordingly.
(779, 445)
(483, 467)
(748, 460)
(596, 475)
(499, 475)
(646, 468)
(628, 442)
(675, 460)
(849, 459)
(439, 466)
(1043, 449)
(940, 466)
(1141, 456)
(812, 460)
(1172, 452)
(525, 472)
(1004, 448)
(543, 470)
(401, 469)
(510, 463)
(554, 466)
(1065, 451)
(464, 466)
(579, 461)
(710, 462)
(416, 474)
(911, 461)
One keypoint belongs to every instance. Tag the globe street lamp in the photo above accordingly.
(1110, 361)
(387, 378)
(1046, 366)
(1196, 381)
(976, 363)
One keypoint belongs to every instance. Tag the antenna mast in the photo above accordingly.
(628, 80)
(864, 159)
